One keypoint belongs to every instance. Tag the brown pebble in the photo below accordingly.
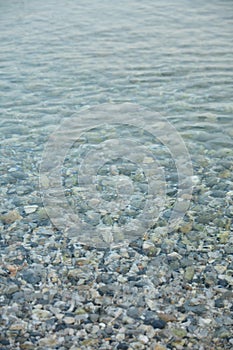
(11, 217)
(167, 317)
(12, 269)
(187, 287)
(159, 347)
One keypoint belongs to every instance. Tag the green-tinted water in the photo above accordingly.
(174, 58)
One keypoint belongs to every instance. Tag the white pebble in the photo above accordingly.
(29, 209)
(69, 320)
(143, 339)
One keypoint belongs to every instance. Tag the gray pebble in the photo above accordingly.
(133, 312)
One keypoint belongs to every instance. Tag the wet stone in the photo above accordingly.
(94, 317)
(197, 309)
(10, 217)
(122, 346)
(189, 273)
(150, 319)
(222, 332)
(106, 278)
(219, 303)
(11, 289)
(19, 175)
(31, 276)
(218, 194)
(133, 312)
(179, 332)
(222, 282)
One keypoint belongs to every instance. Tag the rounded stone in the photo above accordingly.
(155, 322)
(133, 312)
(189, 273)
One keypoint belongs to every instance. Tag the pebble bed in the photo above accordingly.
(158, 290)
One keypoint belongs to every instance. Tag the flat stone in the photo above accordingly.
(27, 346)
(222, 332)
(179, 332)
(41, 314)
(149, 248)
(122, 346)
(133, 312)
(189, 273)
(10, 289)
(94, 317)
(167, 317)
(159, 347)
(29, 209)
(31, 276)
(10, 217)
(186, 227)
(155, 322)
(197, 309)
(143, 339)
(69, 320)
(220, 269)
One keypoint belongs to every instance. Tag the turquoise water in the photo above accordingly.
(175, 58)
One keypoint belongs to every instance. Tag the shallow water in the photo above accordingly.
(175, 59)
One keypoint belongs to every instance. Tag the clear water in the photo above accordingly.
(173, 57)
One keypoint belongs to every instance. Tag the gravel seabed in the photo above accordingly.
(159, 290)
(165, 291)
